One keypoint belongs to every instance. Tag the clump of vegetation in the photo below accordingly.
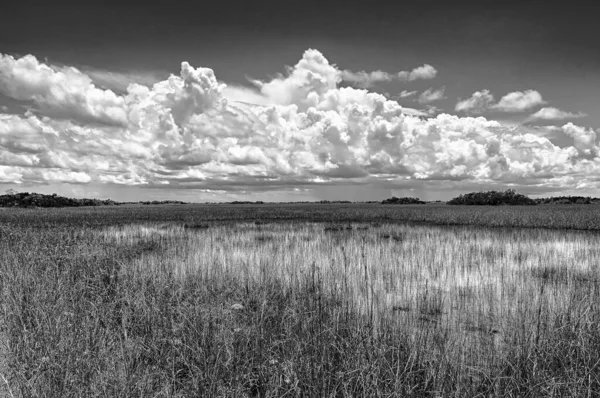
(26, 199)
(163, 202)
(492, 198)
(567, 200)
(195, 226)
(402, 201)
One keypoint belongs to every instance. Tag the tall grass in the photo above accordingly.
(201, 308)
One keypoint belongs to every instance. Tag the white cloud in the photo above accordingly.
(517, 101)
(10, 174)
(64, 92)
(584, 139)
(477, 103)
(366, 79)
(422, 72)
(312, 76)
(406, 93)
(431, 95)
(65, 176)
(119, 81)
(244, 95)
(551, 113)
(414, 112)
(192, 131)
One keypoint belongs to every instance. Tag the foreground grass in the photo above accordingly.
(198, 308)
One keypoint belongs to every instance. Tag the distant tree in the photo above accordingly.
(492, 198)
(567, 200)
(402, 201)
(26, 199)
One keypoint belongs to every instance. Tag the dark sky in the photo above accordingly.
(542, 31)
(507, 44)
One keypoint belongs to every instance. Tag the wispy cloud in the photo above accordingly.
(406, 93)
(431, 95)
(367, 79)
(551, 113)
(517, 101)
(119, 81)
(415, 112)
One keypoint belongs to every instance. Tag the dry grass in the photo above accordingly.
(201, 308)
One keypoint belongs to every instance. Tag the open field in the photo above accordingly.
(301, 300)
(584, 217)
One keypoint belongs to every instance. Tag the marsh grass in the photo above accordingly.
(300, 309)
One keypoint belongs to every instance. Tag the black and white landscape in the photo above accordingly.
(299, 200)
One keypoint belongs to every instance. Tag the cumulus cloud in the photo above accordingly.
(584, 139)
(422, 72)
(477, 103)
(366, 79)
(551, 113)
(310, 78)
(299, 129)
(517, 101)
(431, 95)
(62, 92)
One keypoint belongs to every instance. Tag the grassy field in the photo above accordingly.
(301, 300)
(583, 217)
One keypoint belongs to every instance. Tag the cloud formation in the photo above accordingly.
(64, 92)
(119, 81)
(551, 113)
(297, 130)
(431, 95)
(517, 101)
(406, 93)
(364, 79)
(422, 72)
(584, 139)
(478, 103)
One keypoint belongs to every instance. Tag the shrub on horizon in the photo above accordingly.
(493, 198)
(402, 201)
(26, 199)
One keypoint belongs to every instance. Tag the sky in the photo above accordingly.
(299, 102)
